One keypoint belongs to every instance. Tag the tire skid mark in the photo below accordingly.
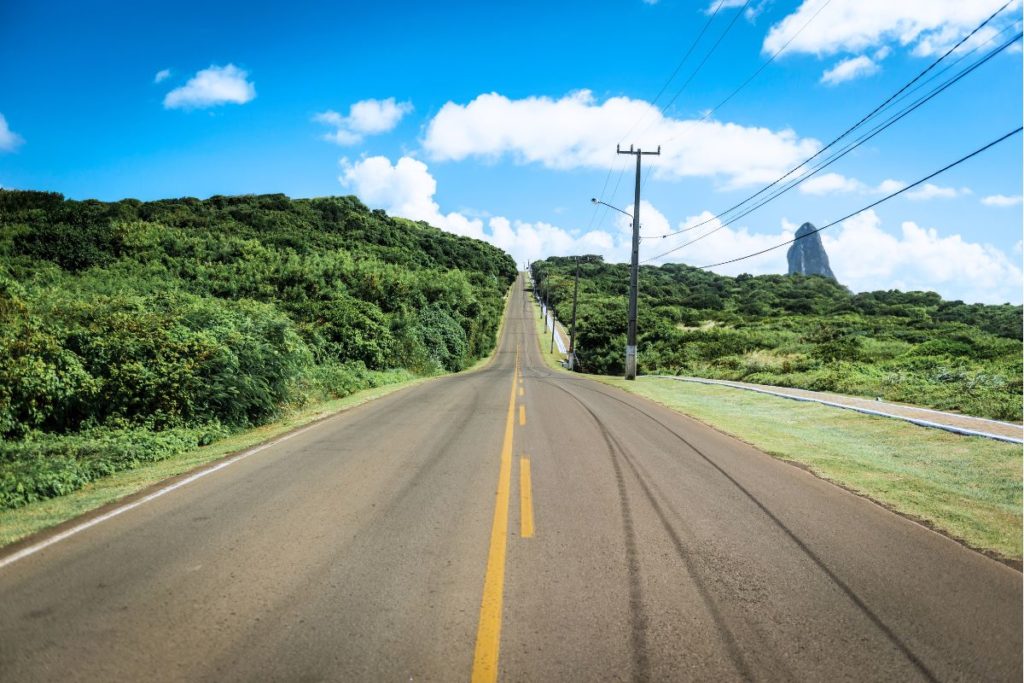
(921, 667)
(615, 448)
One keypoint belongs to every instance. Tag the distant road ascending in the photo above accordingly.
(555, 527)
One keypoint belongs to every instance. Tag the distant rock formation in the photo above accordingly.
(807, 255)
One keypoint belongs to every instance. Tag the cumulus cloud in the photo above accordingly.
(721, 244)
(368, 117)
(1001, 200)
(865, 257)
(212, 87)
(931, 191)
(751, 13)
(830, 183)
(927, 26)
(836, 183)
(849, 69)
(577, 131)
(407, 188)
(9, 140)
(162, 75)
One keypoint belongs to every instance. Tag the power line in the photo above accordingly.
(836, 155)
(873, 204)
(706, 57)
(842, 135)
(679, 66)
(675, 72)
(692, 75)
(761, 68)
(615, 191)
(744, 84)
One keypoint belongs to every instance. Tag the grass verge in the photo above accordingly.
(23, 521)
(968, 488)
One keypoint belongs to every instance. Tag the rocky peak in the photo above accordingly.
(807, 255)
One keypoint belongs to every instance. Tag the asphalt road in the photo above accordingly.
(409, 540)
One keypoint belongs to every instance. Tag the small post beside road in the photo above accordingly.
(634, 265)
(552, 349)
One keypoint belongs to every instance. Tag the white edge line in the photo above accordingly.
(867, 411)
(36, 547)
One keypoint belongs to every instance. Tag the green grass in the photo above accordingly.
(968, 488)
(21, 522)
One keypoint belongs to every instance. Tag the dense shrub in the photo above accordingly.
(806, 332)
(133, 325)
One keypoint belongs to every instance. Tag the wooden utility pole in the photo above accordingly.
(634, 269)
(572, 327)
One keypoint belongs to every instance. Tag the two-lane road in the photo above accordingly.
(511, 521)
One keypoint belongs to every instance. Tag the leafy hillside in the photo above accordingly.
(807, 332)
(133, 330)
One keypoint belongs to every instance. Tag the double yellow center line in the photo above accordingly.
(488, 634)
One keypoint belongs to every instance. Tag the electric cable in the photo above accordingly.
(873, 204)
(856, 125)
(828, 161)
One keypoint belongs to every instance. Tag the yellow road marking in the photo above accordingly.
(525, 498)
(522, 416)
(521, 392)
(488, 632)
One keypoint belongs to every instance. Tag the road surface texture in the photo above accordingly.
(511, 522)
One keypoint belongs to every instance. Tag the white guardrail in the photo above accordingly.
(549, 320)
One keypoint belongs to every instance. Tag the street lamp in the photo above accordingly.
(595, 200)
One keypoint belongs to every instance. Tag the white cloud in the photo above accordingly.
(9, 140)
(1001, 200)
(849, 69)
(407, 188)
(212, 87)
(864, 257)
(162, 75)
(578, 132)
(836, 183)
(889, 186)
(368, 117)
(830, 183)
(930, 191)
(722, 243)
(857, 25)
(753, 9)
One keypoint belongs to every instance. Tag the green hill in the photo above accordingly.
(792, 330)
(133, 330)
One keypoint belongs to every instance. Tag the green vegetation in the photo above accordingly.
(796, 331)
(966, 487)
(132, 331)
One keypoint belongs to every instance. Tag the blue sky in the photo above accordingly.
(501, 123)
